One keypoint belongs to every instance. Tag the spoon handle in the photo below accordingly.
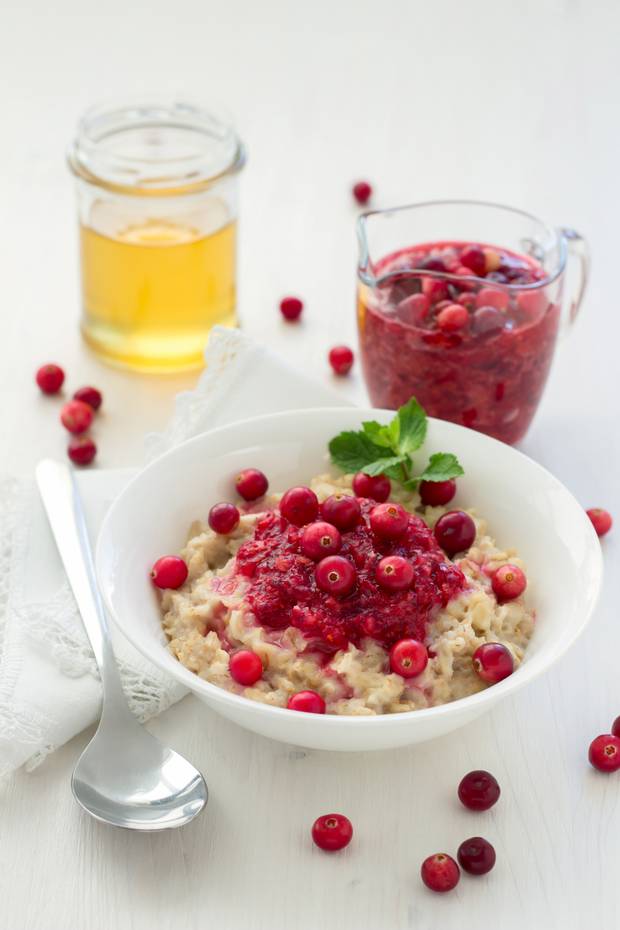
(65, 512)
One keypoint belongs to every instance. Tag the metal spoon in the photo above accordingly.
(124, 777)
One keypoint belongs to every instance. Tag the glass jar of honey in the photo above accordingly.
(157, 187)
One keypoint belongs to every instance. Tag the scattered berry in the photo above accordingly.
(493, 662)
(437, 493)
(604, 753)
(223, 518)
(319, 540)
(81, 450)
(474, 259)
(455, 532)
(245, 667)
(389, 520)
(341, 359)
(335, 575)
(362, 191)
(169, 571)
(76, 416)
(440, 872)
(290, 308)
(601, 520)
(309, 702)
(299, 506)
(375, 488)
(89, 395)
(616, 727)
(476, 855)
(50, 378)
(408, 658)
(342, 510)
(479, 790)
(452, 318)
(508, 582)
(332, 832)
(394, 573)
(251, 484)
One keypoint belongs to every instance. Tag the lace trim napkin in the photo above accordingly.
(49, 685)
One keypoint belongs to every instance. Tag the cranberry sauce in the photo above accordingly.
(484, 368)
(283, 589)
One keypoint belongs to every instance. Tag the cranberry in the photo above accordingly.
(455, 531)
(341, 359)
(616, 727)
(493, 662)
(479, 790)
(432, 264)
(76, 416)
(452, 318)
(394, 573)
(435, 289)
(290, 308)
(389, 520)
(487, 320)
(437, 493)
(335, 575)
(467, 299)
(474, 258)
(169, 571)
(601, 520)
(319, 540)
(492, 297)
(251, 484)
(362, 191)
(50, 378)
(508, 582)
(223, 518)
(89, 395)
(604, 753)
(476, 855)
(332, 832)
(245, 667)
(342, 510)
(81, 450)
(492, 260)
(299, 506)
(440, 872)
(408, 658)
(309, 702)
(413, 309)
(375, 488)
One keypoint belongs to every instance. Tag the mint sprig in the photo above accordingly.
(387, 450)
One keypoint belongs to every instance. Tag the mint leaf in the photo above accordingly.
(441, 467)
(393, 432)
(378, 434)
(384, 465)
(352, 451)
(412, 427)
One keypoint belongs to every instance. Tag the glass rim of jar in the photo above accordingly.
(556, 236)
(117, 173)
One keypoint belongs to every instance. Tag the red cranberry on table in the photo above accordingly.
(452, 318)
(389, 520)
(476, 855)
(437, 493)
(81, 450)
(604, 753)
(50, 378)
(89, 395)
(455, 532)
(335, 575)
(616, 727)
(479, 790)
(408, 658)
(251, 484)
(341, 359)
(342, 510)
(493, 662)
(362, 191)
(319, 540)
(290, 308)
(601, 520)
(474, 259)
(440, 872)
(299, 506)
(508, 582)
(308, 702)
(394, 573)
(375, 488)
(245, 667)
(169, 571)
(332, 832)
(76, 416)
(223, 518)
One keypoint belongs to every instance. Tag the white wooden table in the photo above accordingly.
(501, 101)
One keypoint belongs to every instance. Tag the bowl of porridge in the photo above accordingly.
(319, 605)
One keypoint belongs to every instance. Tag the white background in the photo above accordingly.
(515, 102)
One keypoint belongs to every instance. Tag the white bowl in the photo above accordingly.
(525, 506)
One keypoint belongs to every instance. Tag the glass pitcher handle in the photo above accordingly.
(577, 248)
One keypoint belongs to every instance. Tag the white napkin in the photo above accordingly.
(49, 686)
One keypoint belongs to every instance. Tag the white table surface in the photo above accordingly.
(515, 102)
